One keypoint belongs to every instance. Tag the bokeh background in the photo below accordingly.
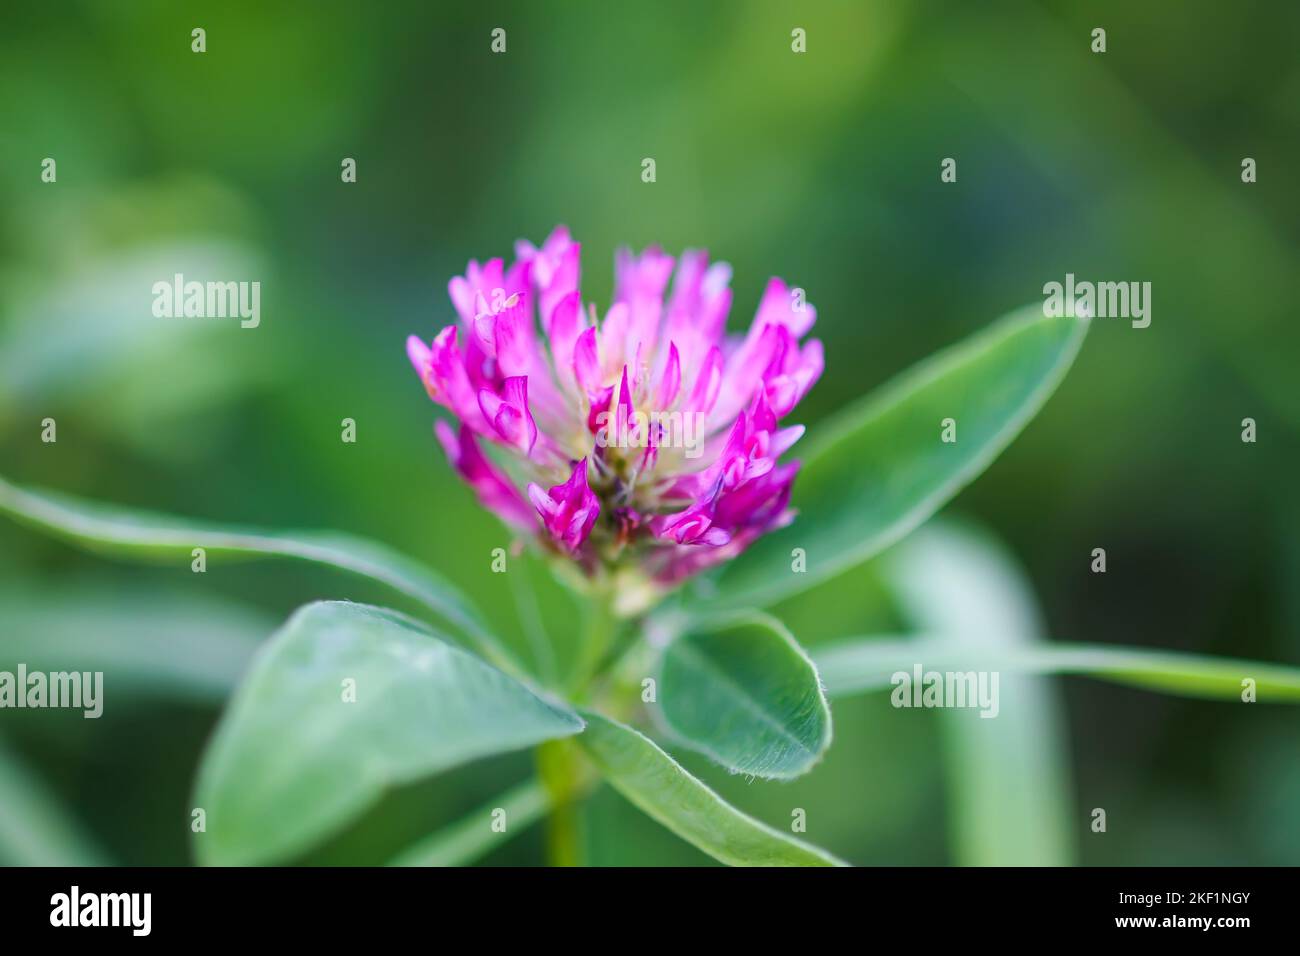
(822, 168)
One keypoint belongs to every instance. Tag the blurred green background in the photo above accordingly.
(822, 168)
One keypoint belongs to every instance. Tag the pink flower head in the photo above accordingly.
(650, 436)
(569, 510)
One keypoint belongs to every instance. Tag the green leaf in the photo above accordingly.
(880, 469)
(293, 760)
(35, 829)
(658, 785)
(150, 536)
(1008, 776)
(470, 838)
(184, 646)
(858, 665)
(744, 694)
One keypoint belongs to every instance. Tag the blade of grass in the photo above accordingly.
(1008, 777)
(864, 664)
(472, 836)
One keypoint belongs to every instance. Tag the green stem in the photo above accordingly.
(561, 772)
(563, 769)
